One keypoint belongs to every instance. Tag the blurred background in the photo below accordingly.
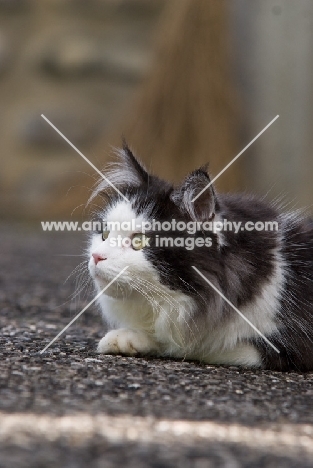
(185, 81)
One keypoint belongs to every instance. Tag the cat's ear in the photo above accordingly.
(199, 207)
(125, 173)
(133, 166)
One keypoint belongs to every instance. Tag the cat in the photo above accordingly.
(182, 300)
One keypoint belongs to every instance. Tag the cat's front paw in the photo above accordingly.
(125, 341)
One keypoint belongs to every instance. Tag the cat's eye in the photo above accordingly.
(139, 241)
(105, 234)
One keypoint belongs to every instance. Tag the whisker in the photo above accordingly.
(69, 255)
(156, 305)
(171, 300)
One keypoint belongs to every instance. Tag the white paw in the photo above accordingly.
(125, 341)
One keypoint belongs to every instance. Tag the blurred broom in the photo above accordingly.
(186, 111)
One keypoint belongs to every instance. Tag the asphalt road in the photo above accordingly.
(73, 408)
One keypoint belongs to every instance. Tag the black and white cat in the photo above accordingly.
(162, 306)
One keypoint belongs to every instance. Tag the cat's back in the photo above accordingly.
(248, 207)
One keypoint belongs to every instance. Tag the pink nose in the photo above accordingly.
(98, 258)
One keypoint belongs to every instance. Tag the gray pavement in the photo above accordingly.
(71, 407)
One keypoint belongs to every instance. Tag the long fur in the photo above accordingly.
(162, 306)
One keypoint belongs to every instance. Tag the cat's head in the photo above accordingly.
(152, 227)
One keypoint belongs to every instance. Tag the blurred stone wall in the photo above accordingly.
(273, 43)
(77, 62)
(81, 62)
